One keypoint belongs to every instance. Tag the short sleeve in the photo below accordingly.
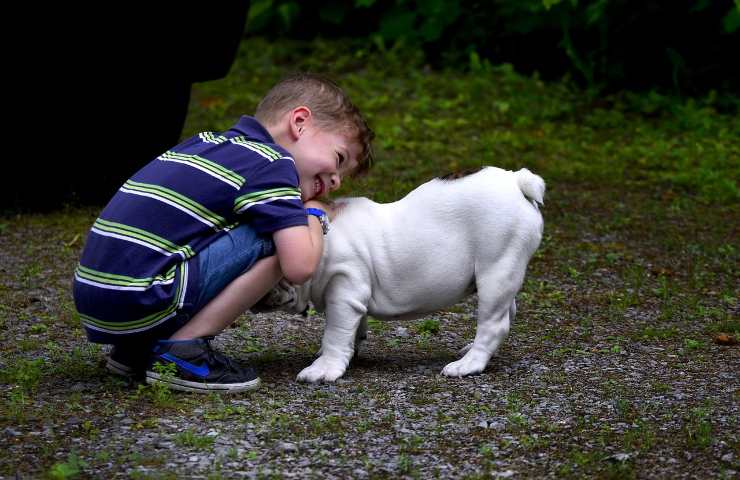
(270, 199)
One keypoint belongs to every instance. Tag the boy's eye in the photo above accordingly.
(340, 159)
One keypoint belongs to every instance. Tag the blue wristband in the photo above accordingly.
(322, 216)
(316, 212)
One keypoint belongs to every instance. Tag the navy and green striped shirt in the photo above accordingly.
(134, 272)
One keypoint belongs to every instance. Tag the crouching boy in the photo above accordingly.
(203, 231)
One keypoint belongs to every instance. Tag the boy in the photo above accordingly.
(202, 232)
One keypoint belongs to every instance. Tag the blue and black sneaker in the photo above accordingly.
(198, 368)
(128, 361)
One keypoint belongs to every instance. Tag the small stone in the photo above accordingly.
(504, 474)
(287, 447)
(73, 420)
(193, 458)
(620, 457)
(498, 426)
(727, 457)
(402, 332)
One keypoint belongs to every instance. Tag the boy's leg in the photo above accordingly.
(235, 271)
(234, 300)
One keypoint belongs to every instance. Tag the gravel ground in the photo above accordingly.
(616, 367)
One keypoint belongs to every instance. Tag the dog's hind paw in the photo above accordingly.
(322, 370)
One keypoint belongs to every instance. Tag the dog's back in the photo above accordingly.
(492, 202)
(436, 238)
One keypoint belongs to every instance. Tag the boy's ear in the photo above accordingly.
(300, 118)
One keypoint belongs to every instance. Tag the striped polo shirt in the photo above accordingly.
(134, 272)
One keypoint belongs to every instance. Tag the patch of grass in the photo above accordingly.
(189, 438)
(375, 325)
(640, 437)
(79, 363)
(24, 373)
(23, 376)
(72, 468)
(698, 428)
(428, 326)
(331, 424)
(659, 333)
(661, 387)
(218, 410)
(691, 344)
(405, 464)
(730, 326)
(159, 393)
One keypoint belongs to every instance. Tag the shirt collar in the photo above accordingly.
(251, 128)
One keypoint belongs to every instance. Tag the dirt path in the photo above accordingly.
(612, 369)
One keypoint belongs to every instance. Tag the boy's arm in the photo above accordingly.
(299, 248)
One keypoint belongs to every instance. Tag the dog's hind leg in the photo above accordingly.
(512, 314)
(497, 287)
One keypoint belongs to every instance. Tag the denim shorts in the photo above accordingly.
(225, 259)
(232, 254)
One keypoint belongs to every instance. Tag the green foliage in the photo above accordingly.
(601, 43)
(24, 373)
(429, 124)
(731, 21)
(159, 393)
(698, 428)
(69, 469)
(189, 438)
(428, 326)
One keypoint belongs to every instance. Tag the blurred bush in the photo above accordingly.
(685, 47)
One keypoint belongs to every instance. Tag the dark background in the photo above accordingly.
(106, 88)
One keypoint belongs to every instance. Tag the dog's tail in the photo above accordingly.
(531, 185)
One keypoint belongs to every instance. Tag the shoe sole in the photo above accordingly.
(119, 368)
(201, 387)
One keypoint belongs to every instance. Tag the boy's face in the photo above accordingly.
(322, 158)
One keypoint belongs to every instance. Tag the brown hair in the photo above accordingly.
(330, 106)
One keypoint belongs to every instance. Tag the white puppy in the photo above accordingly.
(444, 240)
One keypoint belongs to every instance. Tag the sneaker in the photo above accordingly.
(127, 362)
(199, 368)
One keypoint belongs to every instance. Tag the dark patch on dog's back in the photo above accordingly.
(461, 174)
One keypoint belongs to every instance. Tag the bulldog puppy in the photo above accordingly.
(447, 238)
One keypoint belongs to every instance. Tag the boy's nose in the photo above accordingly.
(335, 181)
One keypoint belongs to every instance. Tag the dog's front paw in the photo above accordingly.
(472, 362)
(322, 369)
